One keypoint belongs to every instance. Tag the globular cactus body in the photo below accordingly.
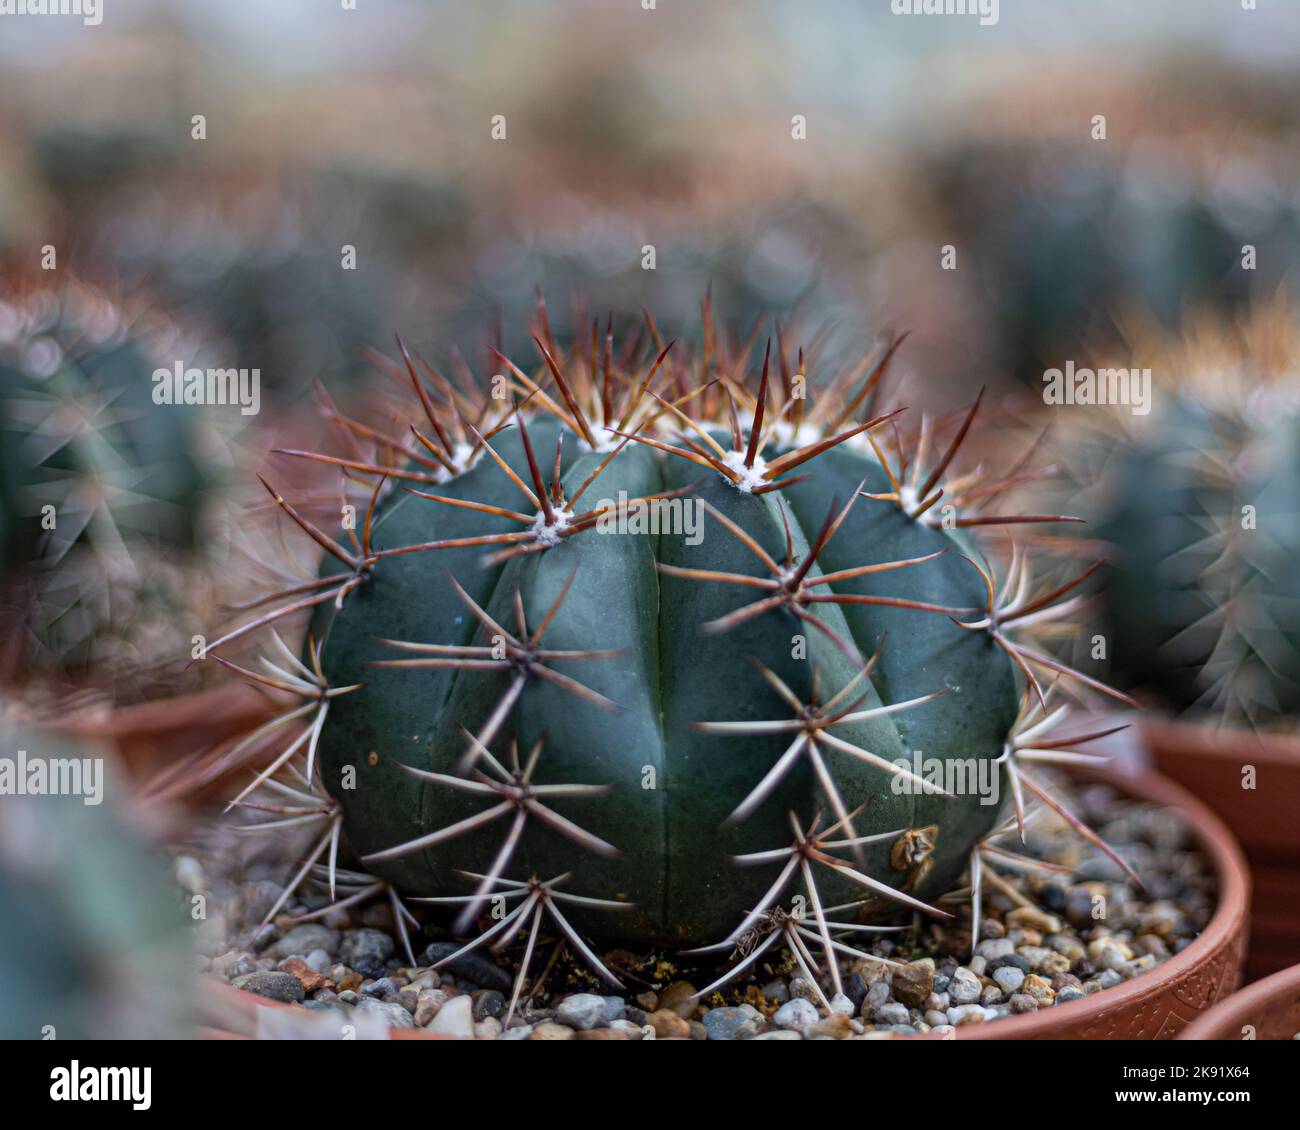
(668, 684)
(675, 785)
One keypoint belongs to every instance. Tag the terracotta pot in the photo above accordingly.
(1159, 1004)
(1271, 1007)
(1208, 762)
(153, 739)
(228, 1013)
(1155, 1006)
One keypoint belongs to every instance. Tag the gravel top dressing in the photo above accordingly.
(1070, 926)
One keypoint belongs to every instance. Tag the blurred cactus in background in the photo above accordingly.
(796, 259)
(1063, 239)
(104, 492)
(82, 165)
(260, 273)
(94, 941)
(1198, 506)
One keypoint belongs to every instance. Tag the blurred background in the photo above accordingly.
(1014, 195)
(669, 127)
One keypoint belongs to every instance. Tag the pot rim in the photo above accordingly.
(1201, 739)
(232, 1014)
(1234, 1011)
(1226, 924)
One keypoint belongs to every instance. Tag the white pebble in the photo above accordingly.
(796, 1013)
(965, 987)
(455, 1018)
(841, 1003)
(966, 1014)
(1009, 977)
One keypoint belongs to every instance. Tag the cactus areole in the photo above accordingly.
(669, 640)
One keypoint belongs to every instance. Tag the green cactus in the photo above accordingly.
(94, 943)
(757, 261)
(1197, 503)
(94, 475)
(1062, 239)
(502, 686)
(231, 258)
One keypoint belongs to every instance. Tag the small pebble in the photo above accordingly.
(732, 1023)
(1038, 988)
(367, 951)
(993, 948)
(427, 1004)
(319, 960)
(274, 986)
(912, 983)
(841, 1003)
(1033, 918)
(680, 998)
(392, 1013)
(834, 1027)
(1009, 978)
(488, 1003)
(779, 991)
(965, 987)
(580, 1011)
(262, 937)
(1035, 955)
(797, 1013)
(877, 994)
(483, 972)
(307, 976)
(965, 1014)
(1108, 978)
(891, 1013)
(454, 1018)
(301, 940)
(668, 1025)
(802, 987)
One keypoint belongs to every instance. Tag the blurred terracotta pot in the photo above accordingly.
(1159, 1004)
(171, 747)
(1267, 1010)
(1209, 763)
(228, 1013)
